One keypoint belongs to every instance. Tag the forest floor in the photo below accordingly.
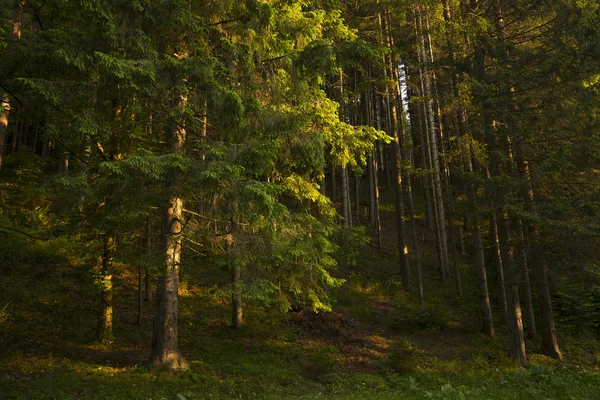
(377, 343)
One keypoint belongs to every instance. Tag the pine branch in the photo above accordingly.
(22, 232)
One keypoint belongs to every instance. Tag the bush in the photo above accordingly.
(404, 357)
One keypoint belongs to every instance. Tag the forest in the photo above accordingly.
(300, 199)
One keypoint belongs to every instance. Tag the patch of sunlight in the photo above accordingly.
(380, 342)
(387, 207)
(453, 324)
(280, 343)
(104, 370)
(185, 290)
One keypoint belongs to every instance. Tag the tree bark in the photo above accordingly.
(487, 325)
(499, 266)
(140, 295)
(525, 284)
(165, 347)
(549, 338)
(147, 274)
(237, 315)
(4, 97)
(394, 124)
(514, 318)
(4, 112)
(104, 331)
(437, 184)
(345, 198)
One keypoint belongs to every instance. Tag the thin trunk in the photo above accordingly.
(35, 136)
(411, 213)
(357, 197)
(452, 232)
(428, 157)
(372, 218)
(236, 298)
(348, 197)
(461, 240)
(140, 295)
(345, 205)
(514, 318)
(549, 338)
(437, 184)
(237, 315)
(376, 195)
(484, 299)
(394, 124)
(104, 332)
(45, 147)
(333, 182)
(499, 266)
(147, 275)
(147, 285)
(487, 326)
(525, 286)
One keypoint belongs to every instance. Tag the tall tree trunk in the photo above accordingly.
(165, 346)
(4, 97)
(487, 325)
(394, 124)
(140, 295)
(515, 325)
(525, 284)
(514, 318)
(149, 248)
(376, 215)
(437, 183)
(237, 315)
(549, 338)
(452, 232)
(104, 331)
(345, 198)
(14, 147)
(36, 130)
(428, 152)
(236, 297)
(333, 182)
(415, 239)
(357, 197)
(4, 111)
(499, 266)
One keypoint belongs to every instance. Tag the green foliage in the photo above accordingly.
(5, 316)
(432, 316)
(322, 363)
(403, 358)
